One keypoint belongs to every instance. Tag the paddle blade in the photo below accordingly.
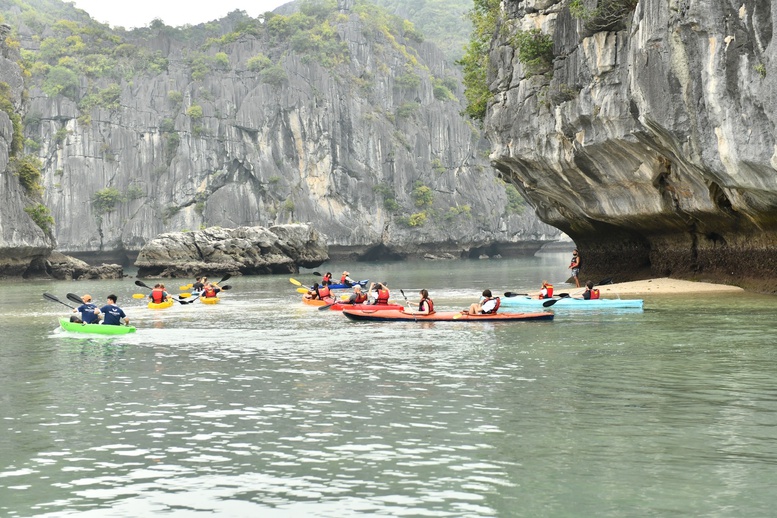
(138, 296)
(184, 287)
(142, 284)
(301, 290)
(322, 308)
(295, 282)
(316, 273)
(75, 298)
(226, 277)
(184, 295)
(55, 299)
(549, 303)
(226, 287)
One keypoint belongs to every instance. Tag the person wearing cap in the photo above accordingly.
(358, 297)
(89, 311)
(346, 280)
(379, 292)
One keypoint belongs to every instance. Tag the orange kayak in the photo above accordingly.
(318, 302)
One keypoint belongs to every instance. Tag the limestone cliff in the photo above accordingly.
(652, 142)
(24, 246)
(353, 126)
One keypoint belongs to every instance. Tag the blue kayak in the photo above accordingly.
(339, 286)
(570, 303)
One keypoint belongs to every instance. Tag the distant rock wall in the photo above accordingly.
(342, 148)
(653, 145)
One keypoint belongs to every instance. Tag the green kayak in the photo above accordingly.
(94, 329)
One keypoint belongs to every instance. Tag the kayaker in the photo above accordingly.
(210, 290)
(425, 306)
(546, 292)
(346, 280)
(590, 292)
(380, 293)
(327, 280)
(357, 297)
(198, 284)
(317, 292)
(158, 294)
(487, 304)
(89, 312)
(113, 314)
(574, 265)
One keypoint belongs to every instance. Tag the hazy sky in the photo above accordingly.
(139, 13)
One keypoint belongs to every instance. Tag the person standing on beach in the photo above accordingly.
(574, 265)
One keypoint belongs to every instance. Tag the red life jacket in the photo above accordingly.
(210, 293)
(327, 280)
(342, 279)
(429, 304)
(323, 292)
(157, 295)
(496, 305)
(383, 296)
(594, 293)
(360, 297)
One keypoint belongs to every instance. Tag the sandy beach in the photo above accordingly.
(663, 285)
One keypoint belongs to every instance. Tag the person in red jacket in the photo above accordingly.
(358, 297)
(379, 292)
(425, 306)
(158, 294)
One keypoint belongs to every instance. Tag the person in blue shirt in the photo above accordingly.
(89, 312)
(113, 314)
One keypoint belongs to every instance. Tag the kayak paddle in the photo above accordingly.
(75, 298)
(549, 303)
(55, 299)
(511, 294)
(407, 303)
(294, 281)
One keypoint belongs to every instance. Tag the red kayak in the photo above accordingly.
(393, 315)
(340, 306)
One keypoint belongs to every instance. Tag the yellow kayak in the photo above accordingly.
(210, 300)
(161, 305)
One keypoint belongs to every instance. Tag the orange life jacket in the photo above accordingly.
(323, 292)
(210, 293)
(360, 297)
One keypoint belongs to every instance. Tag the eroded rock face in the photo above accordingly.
(342, 147)
(652, 146)
(23, 245)
(245, 250)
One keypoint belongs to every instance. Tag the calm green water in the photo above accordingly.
(261, 406)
